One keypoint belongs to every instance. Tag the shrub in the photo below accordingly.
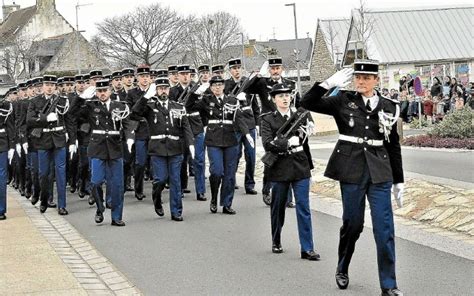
(457, 124)
(415, 123)
(438, 142)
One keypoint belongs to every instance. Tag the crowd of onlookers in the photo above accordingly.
(440, 99)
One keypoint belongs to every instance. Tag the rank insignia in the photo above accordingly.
(96, 110)
(212, 104)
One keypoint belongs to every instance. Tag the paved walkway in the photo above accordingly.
(42, 254)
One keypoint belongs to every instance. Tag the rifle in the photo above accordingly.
(36, 132)
(284, 132)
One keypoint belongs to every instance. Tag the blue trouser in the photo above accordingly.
(250, 156)
(45, 160)
(303, 213)
(223, 164)
(353, 202)
(140, 162)
(110, 170)
(169, 168)
(3, 181)
(199, 163)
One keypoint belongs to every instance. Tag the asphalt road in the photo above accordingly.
(216, 254)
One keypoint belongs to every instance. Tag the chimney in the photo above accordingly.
(45, 5)
(7, 9)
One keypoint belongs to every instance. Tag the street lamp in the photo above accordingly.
(296, 48)
(77, 34)
(243, 48)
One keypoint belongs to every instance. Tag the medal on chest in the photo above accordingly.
(351, 120)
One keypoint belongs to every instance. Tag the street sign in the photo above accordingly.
(418, 86)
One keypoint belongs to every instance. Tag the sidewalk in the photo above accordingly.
(42, 254)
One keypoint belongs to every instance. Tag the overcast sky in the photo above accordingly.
(260, 20)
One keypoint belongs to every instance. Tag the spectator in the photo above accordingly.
(446, 86)
(436, 88)
(470, 98)
(402, 83)
(428, 108)
(404, 104)
(454, 87)
(458, 101)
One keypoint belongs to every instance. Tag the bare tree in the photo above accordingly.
(147, 35)
(211, 35)
(16, 54)
(364, 26)
(331, 40)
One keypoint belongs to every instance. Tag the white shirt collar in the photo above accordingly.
(374, 100)
(287, 113)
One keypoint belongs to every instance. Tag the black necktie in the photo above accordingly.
(286, 117)
(105, 105)
(367, 105)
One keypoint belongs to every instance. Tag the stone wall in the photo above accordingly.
(322, 65)
(65, 58)
(47, 23)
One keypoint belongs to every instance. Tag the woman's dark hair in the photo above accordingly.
(436, 80)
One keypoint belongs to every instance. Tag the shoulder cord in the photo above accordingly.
(119, 115)
(386, 121)
(230, 108)
(177, 114)
(6, 112)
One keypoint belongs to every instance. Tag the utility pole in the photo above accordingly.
(78, 63)
(296, 48)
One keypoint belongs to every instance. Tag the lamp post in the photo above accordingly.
(78, 64)
(296, 48)
(243, 48)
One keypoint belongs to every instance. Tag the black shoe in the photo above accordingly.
(43, 209)
(186, 190)
(290, 205)
(140, 196)
(177, 218)
(108, 205)
(251, 191)
(159, 211)
(91, 200)
(191, 174)
(118, 223)
(310, 255)
(391, 292)
(128, 188)
(167, 186)
(63, 212)
(81, 194)
(34, 200)
(28, 194)
(201, 197)
(3, 217)
(51, 204)
(72, 189)
(267, 198)
(228, 210)
(342, 280)
(236, 187)
(99, 217)
(277, 249)
(213, 208)
(22, 192)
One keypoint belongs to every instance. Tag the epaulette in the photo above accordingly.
(390, 99)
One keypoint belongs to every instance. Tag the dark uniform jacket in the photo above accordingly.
(7, 128)
(106, 141)
(169, 134)
(53, 134)
(250, 108)
(194, 116)
(141, 130)
(20, 121)
(262, 87)
(290, 166)
(222, 124)
(121, 95)
(348, 159)
(81, 121)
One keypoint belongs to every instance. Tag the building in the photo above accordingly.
(428, 42)
(38, 39)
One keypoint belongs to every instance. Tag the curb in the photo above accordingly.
(95, 273)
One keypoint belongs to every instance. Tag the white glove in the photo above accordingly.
(397, 190)
(72, 150)
(264, 70)
(310, 129)
(88, 92)
(10, 155)
(25, 147)
(202, 88)
(191, 151)
(242, 96)
(151, 91)
(51, 117)
(130, 144)
(294, 141)
(257, 131)
(18, 149)
(341, 78)
(250, 140)
(67, 136)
